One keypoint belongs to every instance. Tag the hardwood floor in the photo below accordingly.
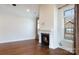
(29, 47)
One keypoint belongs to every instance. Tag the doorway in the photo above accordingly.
(37, 28)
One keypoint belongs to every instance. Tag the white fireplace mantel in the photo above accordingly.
(43, 31)
(52, 38)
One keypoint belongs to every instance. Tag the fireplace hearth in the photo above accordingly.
(45, 40)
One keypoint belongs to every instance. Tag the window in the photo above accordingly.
(69, 24)
(69, 13)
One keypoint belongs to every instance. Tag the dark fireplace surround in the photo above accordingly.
(45, 40)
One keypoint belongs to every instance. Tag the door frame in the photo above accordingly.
(76, 35)
(37, 37)
(75, 24)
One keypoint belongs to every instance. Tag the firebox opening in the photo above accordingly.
(45, 40)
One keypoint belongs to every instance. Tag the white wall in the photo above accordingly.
(16, 23)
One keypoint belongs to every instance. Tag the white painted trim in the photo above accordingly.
(67, 45)
(17, 40)
(67, 49)
(53, 47)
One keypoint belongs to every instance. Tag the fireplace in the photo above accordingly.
(45, 40)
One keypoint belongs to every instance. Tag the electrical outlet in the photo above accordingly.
(60, 44)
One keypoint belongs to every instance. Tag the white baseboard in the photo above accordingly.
(68, 49)
(67, 45)
(53, 47)
(7, 41)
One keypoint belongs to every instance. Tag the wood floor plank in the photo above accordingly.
(29, 47)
